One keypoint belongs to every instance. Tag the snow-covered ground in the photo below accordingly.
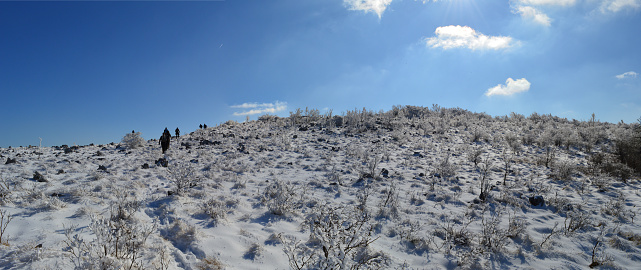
(392, 190)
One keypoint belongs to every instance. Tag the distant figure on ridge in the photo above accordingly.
(205, 126)
(164, 140)
(201, 126)
(177, 132)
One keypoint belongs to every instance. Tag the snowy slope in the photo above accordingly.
(395, 190)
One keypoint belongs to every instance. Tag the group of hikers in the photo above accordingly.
(166, 137)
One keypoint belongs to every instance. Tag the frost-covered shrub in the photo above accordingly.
(339, 238)
(474, 155)
(253, 252)
(181, 234)
(183, 177)
(280, 198)
(492, 237)
(478, 135)
(118, 243)
(133, 140)
(389, 204)
(563, 170)
(445, 168)
(5, 191)
(217, 209)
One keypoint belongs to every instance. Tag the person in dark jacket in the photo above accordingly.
(164, 140)
(177, 132)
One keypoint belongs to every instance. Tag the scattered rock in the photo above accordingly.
(145, 166)
(537, 200)
(11, 161)
(39, 177)
(385, 173)
(61, 171)
(162, 162)
(186, 145)
(102, 168)
(208, 142)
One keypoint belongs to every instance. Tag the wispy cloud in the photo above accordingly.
(618, 5)
(531, 13)
(376, 6)
(548, 2)
(259, 108)
(629, 74)
(511, 87)
(456, 36)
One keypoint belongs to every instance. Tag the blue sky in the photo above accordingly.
(76, 72)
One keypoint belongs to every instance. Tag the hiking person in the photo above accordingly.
(177, 132)
(164, 140)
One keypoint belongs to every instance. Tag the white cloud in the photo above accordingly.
(449, 37)
(534, 14)
(511, 87)
(618, 5)
(376, 6)
(260, 108)
(548, 2)
(629, 74)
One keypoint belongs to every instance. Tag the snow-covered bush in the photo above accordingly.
(5, 191)
(118, 244)
(280, 198)
(563, 170)
(180, 233)
(5, 218)
(492, 237)
(339, 238)
(217, 209)
(183, 176)
(133, 140)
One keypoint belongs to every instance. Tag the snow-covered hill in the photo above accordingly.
(411, 188)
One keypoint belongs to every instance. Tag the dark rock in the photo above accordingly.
(421, 175)
(241, 148)
(186, 145)
(303, 128)
(366, 175)
(102, 168)
(145, 166)
(295, 136)
(208, 142)
(537, 200)
(39, 177)
(162, 162)
(61, 171)
(11, 161)
(385, 173)
(418, 154)
(194, 161)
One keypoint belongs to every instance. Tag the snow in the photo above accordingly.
(249, 197)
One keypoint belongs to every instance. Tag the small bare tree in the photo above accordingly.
(5, 218)
(484, 169)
